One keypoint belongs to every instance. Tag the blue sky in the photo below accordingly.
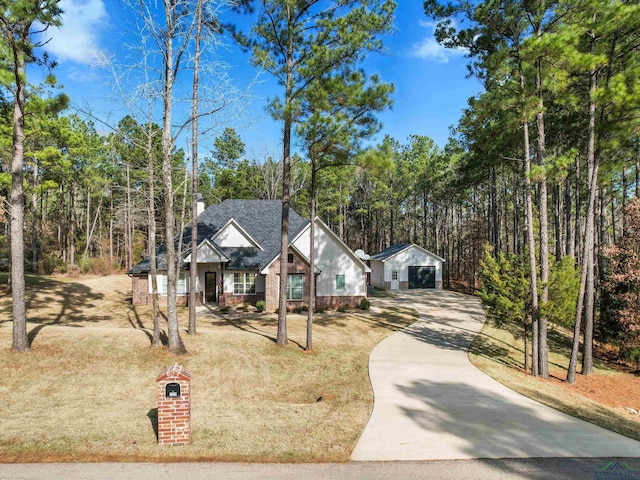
(431, 84)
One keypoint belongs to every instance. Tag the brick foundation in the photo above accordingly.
(174, 413)
(229, 299)
(335, 302)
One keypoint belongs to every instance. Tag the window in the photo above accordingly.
(290, 258)
(394, 275)
(295, 286)
(339, 282)
(244, 283)
(181, 285)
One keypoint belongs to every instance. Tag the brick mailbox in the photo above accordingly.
(174, 406)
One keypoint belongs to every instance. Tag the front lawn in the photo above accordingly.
(609, 398)
(86, 390)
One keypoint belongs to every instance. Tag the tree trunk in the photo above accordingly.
(569, 244)
(129, 222)
(20, 338)
(153, 271)
(111, 227)
(193, 267)
(312, 256)
(72, 225)
(281, 337)
(174, 343)
(34, 220)
(526, 343)
(544, 229)
(557, 227)
(530, 236)
(92, 227)
(586, 293)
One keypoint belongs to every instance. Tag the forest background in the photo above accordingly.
(543, 167)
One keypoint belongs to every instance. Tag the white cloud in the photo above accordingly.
(429, 49)
(77, 38)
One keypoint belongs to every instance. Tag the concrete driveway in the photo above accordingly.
(432, 403)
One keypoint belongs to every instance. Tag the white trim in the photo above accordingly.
(241, 230)
(265, 270)
(222, 256)
(407, 248)
(340, 242)
(344, 246)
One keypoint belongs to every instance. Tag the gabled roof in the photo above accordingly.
(233, 226)
(319, 223)
(259, 219)
(394, 250)
(209, 244)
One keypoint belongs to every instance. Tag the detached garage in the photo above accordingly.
(406, 266)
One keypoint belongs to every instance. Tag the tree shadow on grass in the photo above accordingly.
(249, 326)
(51, 302)
(136, 322)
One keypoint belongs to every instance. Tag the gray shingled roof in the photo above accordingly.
(390, 252)
(259, 218)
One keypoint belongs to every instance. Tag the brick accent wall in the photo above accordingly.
(174, 414)
(272, 279)
(229, 299)
(140, 290)
(335, 302)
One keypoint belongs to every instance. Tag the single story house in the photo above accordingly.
(239, 257)
(406, 266)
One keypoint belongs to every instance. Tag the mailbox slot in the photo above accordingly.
(172, 390)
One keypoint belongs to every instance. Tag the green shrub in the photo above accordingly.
(261, 305)
(564, 284)
(505, 287)
(301, 309)
(224, 310)
(343, 308)
(365, 304)
(49, 264)
(319, 310)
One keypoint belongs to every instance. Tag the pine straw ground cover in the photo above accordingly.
(86, 390)
(607, 398)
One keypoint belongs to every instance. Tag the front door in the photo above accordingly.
(210, 287)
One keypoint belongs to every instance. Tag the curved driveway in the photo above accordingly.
(432, 403)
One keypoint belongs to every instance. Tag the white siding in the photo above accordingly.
(332, 258)
(377, 273)
(302, 243)
(231, 236)
(206, 254)
(411, 257)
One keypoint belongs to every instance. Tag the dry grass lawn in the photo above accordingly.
(603, 398)
(86, 390)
